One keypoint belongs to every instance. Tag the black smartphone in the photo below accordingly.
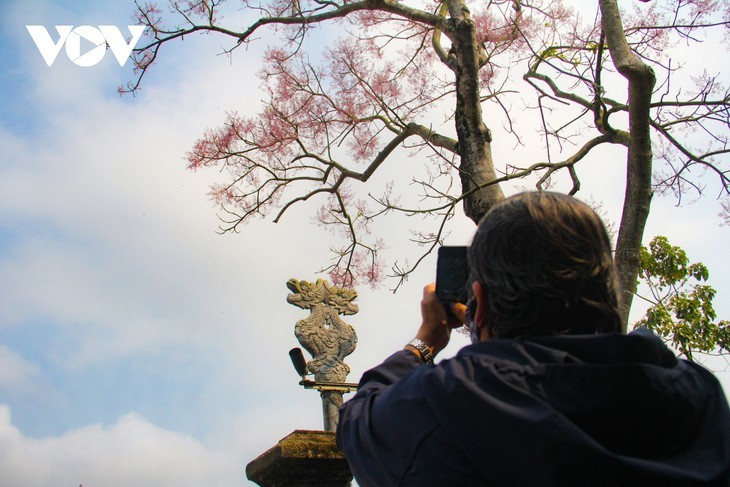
(452, 275)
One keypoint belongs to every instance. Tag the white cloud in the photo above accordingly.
(129, 452)
(16, 373)
(118, 239)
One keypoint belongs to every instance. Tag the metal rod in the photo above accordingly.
(329, 386)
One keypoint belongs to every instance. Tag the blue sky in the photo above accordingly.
(137, 346)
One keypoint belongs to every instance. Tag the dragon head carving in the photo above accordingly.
(306, 294)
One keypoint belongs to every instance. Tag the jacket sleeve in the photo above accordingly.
(376, 451)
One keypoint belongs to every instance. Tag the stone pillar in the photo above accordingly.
(331, 403)
(312, 458)
(302, 459)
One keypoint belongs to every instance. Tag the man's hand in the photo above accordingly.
(436, 324)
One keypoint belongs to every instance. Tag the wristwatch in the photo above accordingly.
(423, 350)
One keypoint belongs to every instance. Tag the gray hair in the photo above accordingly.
(544, 260)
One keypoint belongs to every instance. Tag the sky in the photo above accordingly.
(137, 345)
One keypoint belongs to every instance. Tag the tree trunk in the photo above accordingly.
(476, 166)
(638, 195)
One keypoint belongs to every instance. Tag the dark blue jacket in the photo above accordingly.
(618, 410)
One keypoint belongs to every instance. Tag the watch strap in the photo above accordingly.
(423, 350)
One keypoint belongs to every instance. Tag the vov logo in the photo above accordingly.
(97, 40)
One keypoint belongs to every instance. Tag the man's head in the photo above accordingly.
(543, 265)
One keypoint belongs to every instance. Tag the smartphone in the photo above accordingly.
(452, 275)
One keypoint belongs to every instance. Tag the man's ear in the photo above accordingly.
(480, 314)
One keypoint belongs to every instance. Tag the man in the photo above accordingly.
(550, 393)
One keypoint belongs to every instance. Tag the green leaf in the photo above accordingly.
(684, 315)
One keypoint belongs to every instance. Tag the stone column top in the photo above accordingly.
(303, 458)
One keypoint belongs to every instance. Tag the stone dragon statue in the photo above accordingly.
(323, 333)
(326, 337)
